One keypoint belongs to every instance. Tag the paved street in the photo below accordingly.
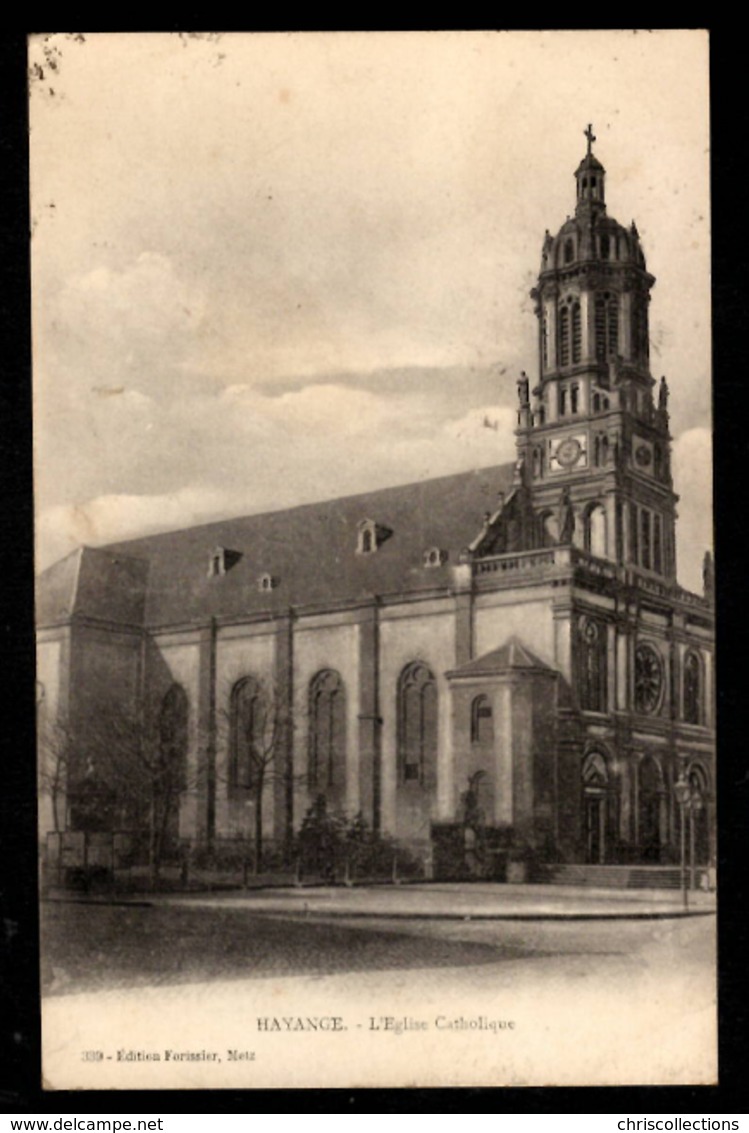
(590, 1000)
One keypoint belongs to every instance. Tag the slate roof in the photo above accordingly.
(310, 552)
(512, 656)
(93, 582)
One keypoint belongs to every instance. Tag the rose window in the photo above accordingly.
(648, 679)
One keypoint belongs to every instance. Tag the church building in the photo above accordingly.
(514, 636)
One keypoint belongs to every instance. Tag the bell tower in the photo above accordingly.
(593, 434)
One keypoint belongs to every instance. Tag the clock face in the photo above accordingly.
(642, 454)
(568, 452)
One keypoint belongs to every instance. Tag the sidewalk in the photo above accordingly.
(445, 901)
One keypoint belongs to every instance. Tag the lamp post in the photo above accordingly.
(682, 793)
(696, 803)
(689, 798)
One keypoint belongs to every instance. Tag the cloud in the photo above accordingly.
(108, 519)
(111, 327)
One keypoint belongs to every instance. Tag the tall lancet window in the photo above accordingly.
(592, 665)
(692, 689)
(247, 751)
(326, 767)
(564, 335)
(417, 725)
(577, 334)
(607, 326)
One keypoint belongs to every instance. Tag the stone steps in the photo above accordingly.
(611, 876)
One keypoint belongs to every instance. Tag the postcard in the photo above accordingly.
(375, 587)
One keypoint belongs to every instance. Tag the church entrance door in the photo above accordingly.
(596, 787)
(649, 811)
(595, 828)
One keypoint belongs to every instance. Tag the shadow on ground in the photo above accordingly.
(98, 947)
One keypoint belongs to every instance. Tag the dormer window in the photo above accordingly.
(217, 562)
(221, 560)
(267, 582)
(370, 536)
(367, 539)
(434, 557)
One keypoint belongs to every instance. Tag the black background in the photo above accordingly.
(20, 1086)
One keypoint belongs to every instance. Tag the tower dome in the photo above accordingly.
(591, 236)
(593, 288)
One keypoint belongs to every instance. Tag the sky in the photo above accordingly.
(269, 269)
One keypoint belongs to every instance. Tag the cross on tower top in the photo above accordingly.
(590, 136)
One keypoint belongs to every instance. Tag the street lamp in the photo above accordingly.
(689, 798)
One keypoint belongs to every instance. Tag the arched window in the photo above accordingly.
(692, 689)
(645, 538)
(173, 740)
(564, 335)
(640, 328)
(607, 326)
(593, 665)
(574, 399)
(648, 679)
(327, 732)
(545, 337)
(569, 251)
(657, 548)
(247, 735)
(417, 725)
(605, 247)
(482, 723)
(650, 793)
(634, 543)
(576, 335)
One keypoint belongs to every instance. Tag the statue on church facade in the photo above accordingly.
(708, 575)
(663, 395)
(566, 518)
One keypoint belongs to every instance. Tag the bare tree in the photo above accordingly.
(143, 761)
(55, 755)
(255, 724)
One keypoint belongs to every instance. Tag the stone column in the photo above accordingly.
(504, 811)
(625, 326)
(463, 627)
(587, 337)
(563, 639)
(622, 668)
(370, 723)
(626, 533)
(611, 526)
(283, 678)
(550, 307)
(708, 692)
(206, 760)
